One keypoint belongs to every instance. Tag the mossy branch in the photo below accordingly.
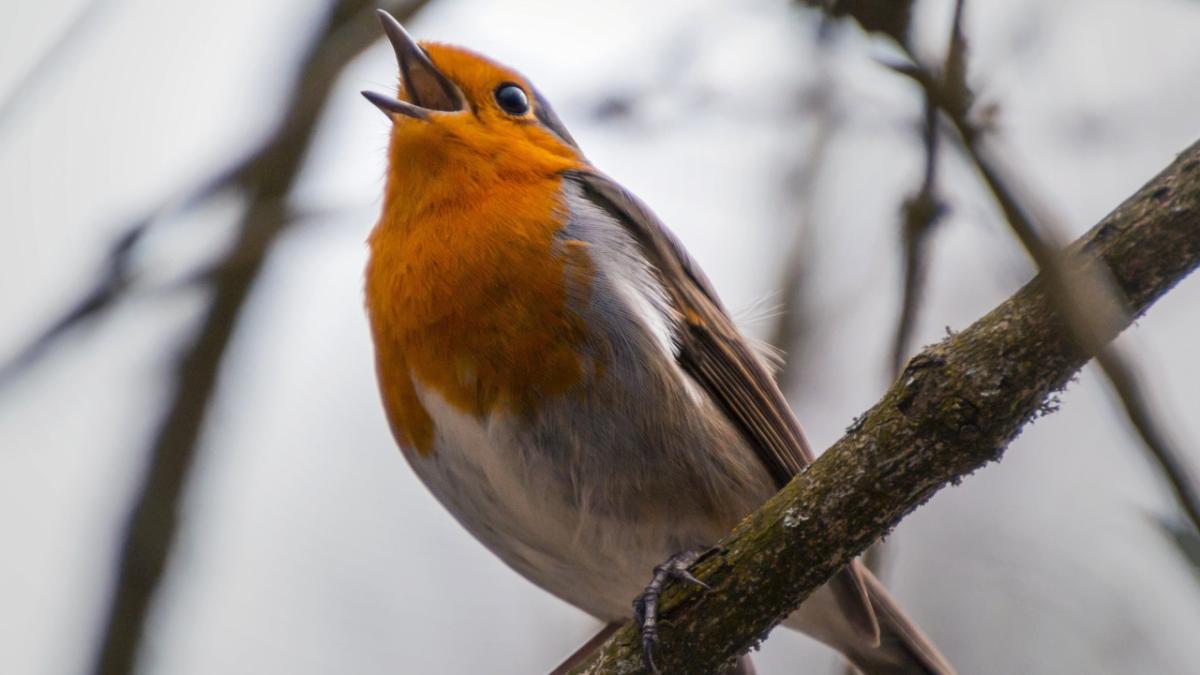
(956, 406)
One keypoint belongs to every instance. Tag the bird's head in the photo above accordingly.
(457, 111)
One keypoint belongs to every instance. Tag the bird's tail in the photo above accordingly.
(903, 649)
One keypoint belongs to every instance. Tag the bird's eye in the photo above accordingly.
(512, 99)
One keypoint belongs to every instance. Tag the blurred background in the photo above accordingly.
(772, 141)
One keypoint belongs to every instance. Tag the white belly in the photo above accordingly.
(555, 523)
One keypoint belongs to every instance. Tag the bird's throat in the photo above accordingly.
(467, 296)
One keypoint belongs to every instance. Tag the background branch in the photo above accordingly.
(949, 91)
(265, 178)
(924, 208)
(955, 408)
(795, 317)
(920, 212)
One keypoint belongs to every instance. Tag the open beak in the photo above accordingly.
(425, 87)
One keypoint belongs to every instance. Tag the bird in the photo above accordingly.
(562, 376)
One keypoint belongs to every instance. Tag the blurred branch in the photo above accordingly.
(265, 177)
(920, 211)
(890, 17)
(112, 281)
(1083, 317)
(794, 323)
(1185, 539)
(1086, 299)
(117, 279)
(955, 408)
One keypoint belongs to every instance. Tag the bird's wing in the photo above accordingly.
(720, 359)
(711, 349)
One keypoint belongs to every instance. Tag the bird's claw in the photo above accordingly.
(645, 605)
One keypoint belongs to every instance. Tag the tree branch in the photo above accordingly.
(920, 212)
(266, 177)
(955, 408)
(950, 92)
(792, 332)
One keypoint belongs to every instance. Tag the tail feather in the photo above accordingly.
(903, 649)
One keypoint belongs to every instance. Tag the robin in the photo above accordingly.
(562, 376)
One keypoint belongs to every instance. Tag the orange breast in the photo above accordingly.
(467, 292)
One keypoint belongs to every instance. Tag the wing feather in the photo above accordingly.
(714, 353)
(711, 348)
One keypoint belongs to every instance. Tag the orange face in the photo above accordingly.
(502, 123)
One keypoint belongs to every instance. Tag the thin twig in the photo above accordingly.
(1086, 300)
(117, 279)
(1124, 381)
(794, 322)
(110, 284)
(921, 211)
(1082, 319)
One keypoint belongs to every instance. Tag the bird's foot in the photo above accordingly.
(645, 605)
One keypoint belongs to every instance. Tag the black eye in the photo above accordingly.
(512, 99)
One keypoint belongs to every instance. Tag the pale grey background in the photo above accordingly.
(310, 548)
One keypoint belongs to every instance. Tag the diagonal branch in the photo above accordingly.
(792, 331)
(955, 408)
(924, 208)
(1082, 325)
(110, 284)
(951, 94)
(266, 177)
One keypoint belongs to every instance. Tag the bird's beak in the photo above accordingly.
(425, 87)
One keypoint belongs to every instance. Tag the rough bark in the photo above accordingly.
(956, 406)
